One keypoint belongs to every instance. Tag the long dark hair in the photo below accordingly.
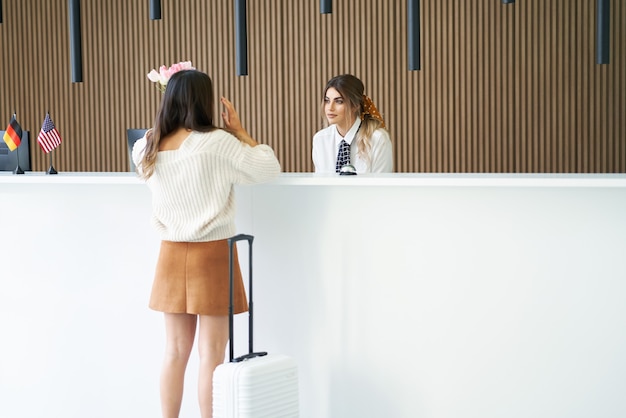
(187, 103)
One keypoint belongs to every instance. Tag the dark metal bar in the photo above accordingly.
(76, 49)
(0, 11)
(231, 285)
(241, 38)
(251, 303)
(155, 9)
(413, 8)
(326, 6)
(603, 19)
(508, 1)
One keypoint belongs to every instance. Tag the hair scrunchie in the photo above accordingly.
(369, 108)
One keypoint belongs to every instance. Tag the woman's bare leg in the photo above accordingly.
(212, 340)
(180, 330)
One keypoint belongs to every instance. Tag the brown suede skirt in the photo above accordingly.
(192, 277)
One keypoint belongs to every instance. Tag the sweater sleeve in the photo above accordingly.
(257, 164)
(137, 153)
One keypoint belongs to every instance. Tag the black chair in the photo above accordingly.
(8, 158)
(132, 135)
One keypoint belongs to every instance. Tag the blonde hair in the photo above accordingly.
(351, 89)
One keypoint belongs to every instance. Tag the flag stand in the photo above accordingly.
(51, 170)
(18, 169)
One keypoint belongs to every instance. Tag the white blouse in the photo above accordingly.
(326, 146)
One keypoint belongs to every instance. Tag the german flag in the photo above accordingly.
(13, 134)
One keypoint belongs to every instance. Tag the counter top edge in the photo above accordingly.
(392, 179)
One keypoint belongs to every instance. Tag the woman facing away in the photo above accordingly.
(191, 166)
(356, 134)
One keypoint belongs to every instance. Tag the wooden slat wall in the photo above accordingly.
(503, 88)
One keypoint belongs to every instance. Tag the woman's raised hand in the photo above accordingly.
(233, 123)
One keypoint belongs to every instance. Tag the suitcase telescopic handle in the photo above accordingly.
(251, 354)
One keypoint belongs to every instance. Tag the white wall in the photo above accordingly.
(429, 300)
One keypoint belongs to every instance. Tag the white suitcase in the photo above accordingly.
(255, 385)
(261, 387)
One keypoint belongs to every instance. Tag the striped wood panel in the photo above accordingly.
(503, 88)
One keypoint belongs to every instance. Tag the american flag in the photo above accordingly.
(49, 137)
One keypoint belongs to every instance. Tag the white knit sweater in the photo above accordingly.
(192, 187)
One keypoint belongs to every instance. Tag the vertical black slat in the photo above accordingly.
(0, 11)
(326, 6)
(413, 9)
(241, 38)
(603, 12)
(76, 49)
(155, 9)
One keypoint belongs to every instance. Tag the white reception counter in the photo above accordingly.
(405, 295)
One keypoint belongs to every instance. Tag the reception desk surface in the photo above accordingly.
(402, 295)
(394, 179)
